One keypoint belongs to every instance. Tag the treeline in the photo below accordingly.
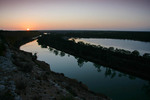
(131, 35)
(108, 71)
(130, 62)
(17, 38)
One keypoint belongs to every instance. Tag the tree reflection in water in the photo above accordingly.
(113, 74)
(56, 52)
(80, 62)
(62, 54)
(68, 55)
(50, 49)
(131, 77)
(108, 71)
(98, 67)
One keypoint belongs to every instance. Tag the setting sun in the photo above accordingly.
(28, 29)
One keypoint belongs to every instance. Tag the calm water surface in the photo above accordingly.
(142, 47)
(117, 85)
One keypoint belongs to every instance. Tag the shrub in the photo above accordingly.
(146, 55)
(111, 48)
(136, 53)
(34, 57)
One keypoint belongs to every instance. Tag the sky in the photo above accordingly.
(75, 15)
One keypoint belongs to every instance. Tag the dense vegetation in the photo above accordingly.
(109, 72)
(17, 38)
(119, 59)
(132, 35)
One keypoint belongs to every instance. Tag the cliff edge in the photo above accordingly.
(22, 77)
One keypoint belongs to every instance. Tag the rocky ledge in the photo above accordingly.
(22, 77)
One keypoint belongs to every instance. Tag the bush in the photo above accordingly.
(146, 55)
(34, 57)
(111, 48)
(135, 53)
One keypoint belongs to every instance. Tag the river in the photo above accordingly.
(131, 45)
(100, 79)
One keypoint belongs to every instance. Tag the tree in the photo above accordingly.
(136, 53)
(146, 55)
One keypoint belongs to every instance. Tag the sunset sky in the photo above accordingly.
(75, 15)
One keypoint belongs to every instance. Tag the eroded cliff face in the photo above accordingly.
(22, 77)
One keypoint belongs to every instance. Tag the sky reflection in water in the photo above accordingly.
(117, 85)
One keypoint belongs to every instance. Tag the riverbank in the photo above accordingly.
(22, 77)
(125, 61)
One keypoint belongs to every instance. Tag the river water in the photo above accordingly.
(131, 45)
(100, 79)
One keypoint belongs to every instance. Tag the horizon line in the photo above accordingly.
(81, 30)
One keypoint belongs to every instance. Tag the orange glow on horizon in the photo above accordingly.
(28, 29)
